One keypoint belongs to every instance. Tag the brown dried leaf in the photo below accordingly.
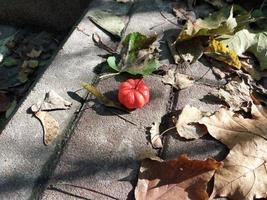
(181, 12)
(175, 179)
(236, 94)
(51, 102)
(50, 126)
(187, 126)
(177, 80)
(244, 174)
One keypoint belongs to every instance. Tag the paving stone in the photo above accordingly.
(104, 150)
(202, 97)
(201, 149)
(198, 95)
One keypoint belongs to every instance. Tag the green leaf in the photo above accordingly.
(145, 68)
(112, 63)
(138, 56)
(108, 21)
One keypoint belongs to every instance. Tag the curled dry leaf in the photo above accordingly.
(187, 126)
(101, 98)
(244, 174)
(178, 80)
(107, 20)
(236, 94)
(182, 13)
(155, 136)
(52, 101)
(50, 126)
(175, 179)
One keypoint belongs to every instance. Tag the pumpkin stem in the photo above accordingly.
(138, 83)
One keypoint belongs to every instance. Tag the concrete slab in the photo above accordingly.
(24, 160)
(104, 151)
(203, 96)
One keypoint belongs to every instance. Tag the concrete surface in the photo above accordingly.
(104, 151)
(57, 14)
(101, 158)
(24, 158)
(201, 95)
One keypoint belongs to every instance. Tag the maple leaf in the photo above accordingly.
(175, 179)
(244, 174)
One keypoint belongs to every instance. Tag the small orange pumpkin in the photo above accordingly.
(134, 93)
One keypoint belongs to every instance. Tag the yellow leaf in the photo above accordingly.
(221, 52)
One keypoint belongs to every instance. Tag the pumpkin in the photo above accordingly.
(133, 93)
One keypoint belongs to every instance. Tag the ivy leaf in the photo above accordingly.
(138, 56)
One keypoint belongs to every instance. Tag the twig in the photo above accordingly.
(82, 31)
(166, 19)
(106, 76)
(97, 40)
(121, 117)
(167, 130)
(88, 189)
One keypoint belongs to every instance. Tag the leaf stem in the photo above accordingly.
(106, 76)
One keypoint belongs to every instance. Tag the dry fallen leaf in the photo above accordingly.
(50, 126)
(108, 21)
(177, 80)
(175, 179)
(219, 51)
(52, 101)
(244, 174)
(155, 136)
(182, 13)
(34, 53)
(187, 126)
(236, 94)
(102, 98)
